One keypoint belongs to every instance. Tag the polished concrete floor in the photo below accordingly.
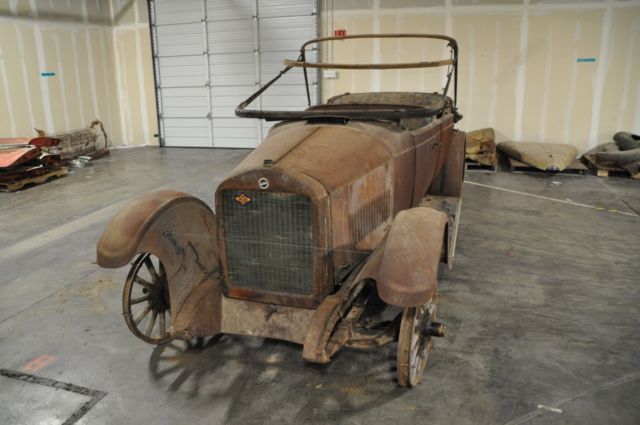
(543, 309)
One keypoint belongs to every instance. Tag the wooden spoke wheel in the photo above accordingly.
(414, 343)
(145, 300)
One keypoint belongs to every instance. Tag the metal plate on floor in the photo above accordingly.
(30, 399)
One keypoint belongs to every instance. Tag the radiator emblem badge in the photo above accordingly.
(242, 199)
(263, 183)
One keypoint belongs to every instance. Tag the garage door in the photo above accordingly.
(210, 55)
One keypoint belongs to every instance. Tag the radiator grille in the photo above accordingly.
(269, 241)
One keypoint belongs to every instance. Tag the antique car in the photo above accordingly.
(331, 233)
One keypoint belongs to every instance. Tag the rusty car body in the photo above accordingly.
(329, 234)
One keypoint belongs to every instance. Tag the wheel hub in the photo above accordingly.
(159, 296)
(430, 328)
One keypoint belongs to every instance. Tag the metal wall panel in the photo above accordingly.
(209, 55)
(289, 92)
(170, 12)
(236, 132)
(231, 36)
(180, 39)
(185, 102)
(226, 98)
(278, 22)
(285, 33)
(286, 98)
(187, 132)
(183, 71)
(280, 8)
(235, 69)
(271, 64)
(230, 131)
(228, 10)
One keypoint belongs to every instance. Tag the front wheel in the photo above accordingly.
(145, 300)
(414, 342)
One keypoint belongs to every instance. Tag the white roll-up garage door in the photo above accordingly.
(210, 55)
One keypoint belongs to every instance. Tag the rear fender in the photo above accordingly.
(405, 264)
(180, 230)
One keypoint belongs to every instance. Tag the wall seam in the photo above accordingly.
(572, 85)
(74, 49)
(141, 88)
(116, 59)
(521, 72)
(601, 71)
(25, 73)
(542, 129)
(5, 84)
(493, 102)
(65, 106)
(624, 102)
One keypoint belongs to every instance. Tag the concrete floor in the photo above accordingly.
(543, 309)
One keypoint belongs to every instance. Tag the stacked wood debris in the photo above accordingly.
(29, 161)
(91, 141)
(623, 155)
(480, 148)
(26, 161)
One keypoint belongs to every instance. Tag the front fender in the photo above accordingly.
(180, 230)
(405, 264)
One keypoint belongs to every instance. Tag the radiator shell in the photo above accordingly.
(297, 287)
(269, 240)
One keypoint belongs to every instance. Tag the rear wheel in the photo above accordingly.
(414, 342)
(145, 300)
